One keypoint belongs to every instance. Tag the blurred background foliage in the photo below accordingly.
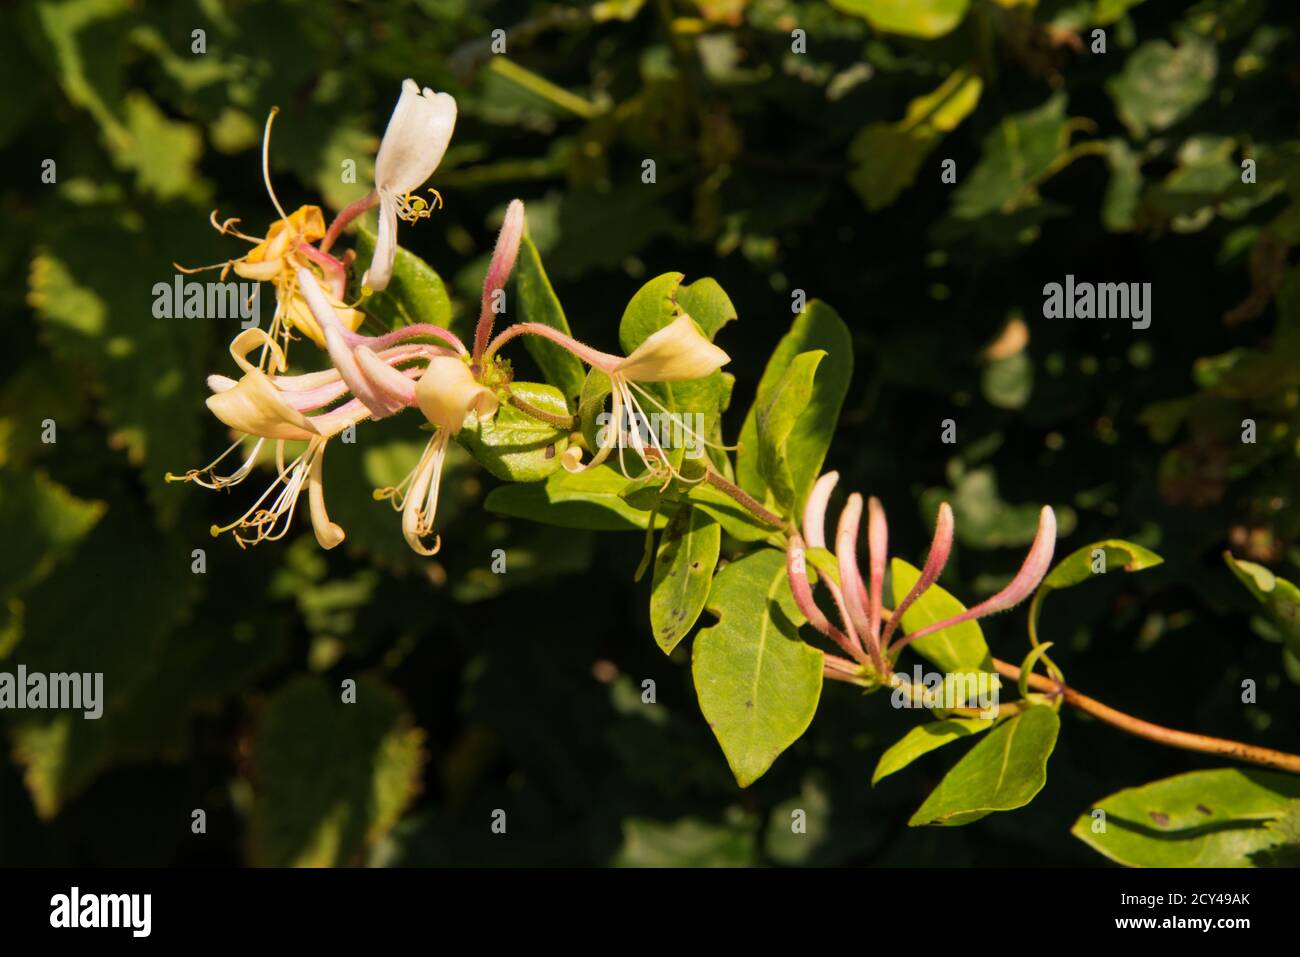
(784, 162)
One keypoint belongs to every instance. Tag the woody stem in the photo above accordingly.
(1171, 737)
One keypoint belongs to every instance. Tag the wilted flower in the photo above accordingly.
(280, 257)
(863, 631)
(413, 145)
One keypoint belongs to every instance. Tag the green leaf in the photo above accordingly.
(40, 522)
(86, 41)
(1162, 84)
(923, 739)
(330, 778)
(684, 564)
(415, 294)
(1216, 818)
(91, 287)
(1017, 155)
(817, 327)
(655, 305)
(652, 307)
(1002, 772)
(538, 303)
(912, 18)
(686, 842)
(757, 682)
(776, 419)
(1280, 598)
(889, 155)
(1008, 382)
(513, 445)
(1076, 568)
(1119, 208)
(960, 648)
(89, 616)
(708, 304)
(589, 499)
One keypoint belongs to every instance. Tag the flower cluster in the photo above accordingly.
(420, 366)
(867, 630)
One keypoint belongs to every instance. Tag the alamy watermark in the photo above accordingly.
(663, 430)
(58, 691)
(189, 299)
(1102, 300)
(936, 690)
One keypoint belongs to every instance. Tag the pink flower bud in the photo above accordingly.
(940, 549)
(846, 554)
(1031, 573)
(877, 550)
(498, 271)
(814, 512)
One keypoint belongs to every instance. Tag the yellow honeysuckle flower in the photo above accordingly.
(446, 393)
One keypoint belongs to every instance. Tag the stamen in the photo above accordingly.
(412, 208)
(272, 522)
(266, 164)
(205, 476)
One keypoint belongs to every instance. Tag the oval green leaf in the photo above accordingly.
(758, 683)
(684, 564)
(1004, 771)
(1218, 818)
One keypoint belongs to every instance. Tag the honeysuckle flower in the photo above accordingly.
(863, 630)
(280, 256)
(263, 406)
(679, 352)
(413, 145)
(446, 393)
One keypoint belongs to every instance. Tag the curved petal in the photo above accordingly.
(254, 406)
(251, 339)
(340, 353)
(328, 534)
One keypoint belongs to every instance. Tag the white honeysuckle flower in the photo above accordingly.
(679, 352)
(413, 146)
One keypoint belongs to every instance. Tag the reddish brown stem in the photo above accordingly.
(1236, 750)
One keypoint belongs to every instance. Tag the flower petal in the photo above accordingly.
(381, 263)
(447, 392)
(254, 406)
(416, 138)
(328, 534)
(678, 352)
